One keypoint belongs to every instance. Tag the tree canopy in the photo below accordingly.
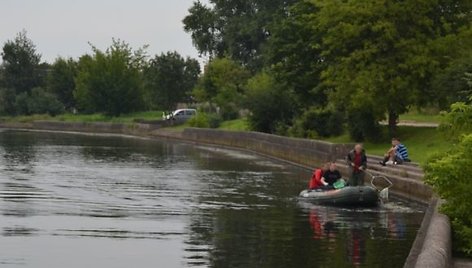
(110, 81)
(60, 80)
(170, 79)
(21, 64)
(236, 28)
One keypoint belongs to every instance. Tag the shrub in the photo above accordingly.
(448, 174)
(214, 120)
(317, 122)
(7, 101)
(38, 102)
(203, 120)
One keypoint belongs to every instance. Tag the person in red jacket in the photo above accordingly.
(316, 179)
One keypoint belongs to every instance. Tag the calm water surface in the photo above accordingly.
(71, 200)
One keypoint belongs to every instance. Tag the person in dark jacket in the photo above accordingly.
(331, 175)
(357, 161)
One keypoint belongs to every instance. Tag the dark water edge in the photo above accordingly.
(87, 201)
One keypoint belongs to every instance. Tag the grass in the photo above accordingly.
(421, 117)
(126, 118)
(422, 143)
(236, 125)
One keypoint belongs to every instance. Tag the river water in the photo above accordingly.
(69, 200)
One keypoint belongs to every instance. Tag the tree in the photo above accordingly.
(293, 54)
(110, 82)
(271, 108)
(223, 84)
(234, 28)
(450, 82)
(21, 64)
(169, 79)
(380, 54)
(60, 81)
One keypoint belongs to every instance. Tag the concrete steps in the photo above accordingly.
(407, 179)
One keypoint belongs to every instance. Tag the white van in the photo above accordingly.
(181, 115)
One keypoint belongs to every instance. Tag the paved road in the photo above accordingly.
(413, 124)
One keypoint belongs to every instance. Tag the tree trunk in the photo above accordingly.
(392, 123)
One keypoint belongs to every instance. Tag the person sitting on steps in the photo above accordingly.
(397, 154)
(316, 181)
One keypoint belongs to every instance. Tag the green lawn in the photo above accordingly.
(421, 143)
(414, 116)
(126, 118)
(237, 125)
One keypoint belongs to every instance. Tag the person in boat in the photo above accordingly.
(357, 161)
(316, 181)
(331, 175)
(397, 154)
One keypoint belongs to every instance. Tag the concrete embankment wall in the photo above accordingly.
(308, 153)
(432, 247)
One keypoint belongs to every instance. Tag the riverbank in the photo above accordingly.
(302, 152)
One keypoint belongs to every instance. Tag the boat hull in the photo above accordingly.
(347, 196)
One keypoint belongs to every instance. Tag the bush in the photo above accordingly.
(271, 107)
(448, 174)
(7, 101)
(317, 122)
(203, 120)
(363, 125)
(214, 120)
(38, 102)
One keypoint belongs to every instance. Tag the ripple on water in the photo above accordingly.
(121, 202)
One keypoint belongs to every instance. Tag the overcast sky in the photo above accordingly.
(64, 27)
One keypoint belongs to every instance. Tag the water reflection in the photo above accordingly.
(358, 230)
(18, 152)
(136, 203)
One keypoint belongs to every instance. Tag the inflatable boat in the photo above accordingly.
(347, 196)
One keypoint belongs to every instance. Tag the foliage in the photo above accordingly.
(381, 53)
(317, 122)
(21, 64)
(447, 173)
(223, 84)
(60, 80)
(200, 121)
(111, 81)
(458, 121)
(204, 120)
(294, 56)
(7, 101)
(363, 125)
(169, 79)
(234, 28)
(271, 108)
(38, 101)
